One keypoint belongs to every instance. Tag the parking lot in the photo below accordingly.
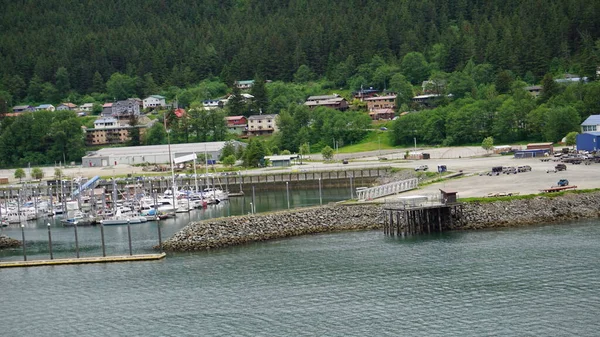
(475, 185)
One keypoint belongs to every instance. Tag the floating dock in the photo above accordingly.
(82, 260)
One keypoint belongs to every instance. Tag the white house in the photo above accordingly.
(107, 122)
(66, 106)
(86, 107)
(48, 107)
(154, 101)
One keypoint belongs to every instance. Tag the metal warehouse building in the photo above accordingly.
(151, 154)
(589, 141)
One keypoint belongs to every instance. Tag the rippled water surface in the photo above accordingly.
(537, 281)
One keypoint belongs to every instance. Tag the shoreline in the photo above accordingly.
(232, 231)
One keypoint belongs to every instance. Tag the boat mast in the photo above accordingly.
(170, 162)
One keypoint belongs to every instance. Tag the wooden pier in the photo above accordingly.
(82, 260)
(403, 220)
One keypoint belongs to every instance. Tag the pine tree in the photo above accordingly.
(236, 103)
(260, 102)
(63, 84)
(98, 83)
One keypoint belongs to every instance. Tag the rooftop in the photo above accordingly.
(159, 149)
(592, 120)
(255, 117)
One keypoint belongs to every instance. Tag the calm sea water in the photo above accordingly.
(535, 281)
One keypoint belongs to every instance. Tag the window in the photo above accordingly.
(588, 128)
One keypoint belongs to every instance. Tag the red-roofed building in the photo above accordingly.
(179, 112)
(237, 124)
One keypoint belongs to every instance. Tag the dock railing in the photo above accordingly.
(387, 189)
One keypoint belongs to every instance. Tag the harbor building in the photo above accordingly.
(151, 154)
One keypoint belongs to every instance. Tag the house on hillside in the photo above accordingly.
(262, 125)
(364, 93)
(154, 101)
(66, 106)
(237, 124)
(23, 108)
(107, 109)
(87, 107)
(244, 85)
(427, 101)
(382, 114)
(534, 90)
(334, 101)
(211, 104)
(570, 78)
(245, 97)
(125, 108)
(47, 107)
(381, 102)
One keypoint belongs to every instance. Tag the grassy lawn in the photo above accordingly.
(376, 140)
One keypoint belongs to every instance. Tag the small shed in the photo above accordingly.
(281, 160)
(448, 197)
(541, 146)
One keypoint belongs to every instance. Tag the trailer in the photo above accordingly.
(558, 189)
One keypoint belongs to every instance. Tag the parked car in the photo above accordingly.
(495, 171)
(524, 168)
(560, 167)
(421, 168)
(510, 170)
(345, 161)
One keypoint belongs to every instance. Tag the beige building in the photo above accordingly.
(262, 125)
(109, 131)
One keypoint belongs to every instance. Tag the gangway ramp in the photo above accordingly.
(89, 184)
(387, 189)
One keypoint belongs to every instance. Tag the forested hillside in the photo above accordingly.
(180, 42)
(479, 56)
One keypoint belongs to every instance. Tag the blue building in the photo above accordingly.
(589, 141)
(590, 131)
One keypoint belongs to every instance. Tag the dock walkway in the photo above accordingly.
(82, 260)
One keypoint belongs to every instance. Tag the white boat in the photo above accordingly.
(120, 219)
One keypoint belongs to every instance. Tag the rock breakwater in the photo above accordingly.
(6, 242)
(215, 233)
(222, 232)
(536, 210)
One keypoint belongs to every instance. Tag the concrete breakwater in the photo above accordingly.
(237, 230)
(536, 210)
(6, 242)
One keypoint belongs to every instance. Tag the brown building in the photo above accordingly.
(381, 102)
(334, 101)
(381, 114)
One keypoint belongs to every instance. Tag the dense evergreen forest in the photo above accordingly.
(180, 42)
(485, 52)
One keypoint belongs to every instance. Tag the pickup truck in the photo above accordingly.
(422, 168)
